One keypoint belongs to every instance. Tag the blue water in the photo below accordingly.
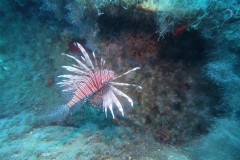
(187, 109)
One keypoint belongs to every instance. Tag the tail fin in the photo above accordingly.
(58, 114)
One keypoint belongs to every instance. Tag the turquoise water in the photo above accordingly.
(187, 107)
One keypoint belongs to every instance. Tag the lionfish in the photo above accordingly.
(89, 80)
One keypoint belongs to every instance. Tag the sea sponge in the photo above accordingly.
(156, 5)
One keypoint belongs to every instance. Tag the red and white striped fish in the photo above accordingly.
(91, 80)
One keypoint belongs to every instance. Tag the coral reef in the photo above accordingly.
(222, 139)
(188, 52)
(85, 142)
(173, 93)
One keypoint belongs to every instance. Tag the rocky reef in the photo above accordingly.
(188, 52)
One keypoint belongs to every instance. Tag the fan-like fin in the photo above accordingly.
(107, 101)
(79, 62)
(73, 77)
(95, 59)
(116, 101)
(111, 109)
(85, 54)
(134, 69)
(74, 70)
(120, 93)
(124, 84)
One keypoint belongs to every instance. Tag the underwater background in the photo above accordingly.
(189, 104)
